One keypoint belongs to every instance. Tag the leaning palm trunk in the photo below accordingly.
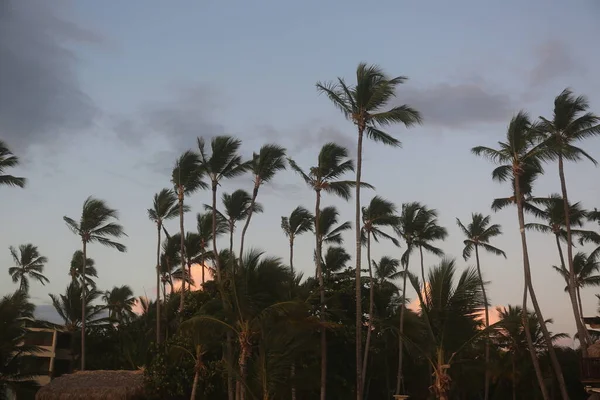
(245, 351)
(538, 312)
(441, 384)
(182, 251)
(584, 338)
(371, 311)
(400, 377)
(83, 298)
(226, 305)
(197, 368)
(322, 299)
(487, 324)
(158, 287)
(359, 396)
(250, 212)
(293, 367)
(422, 266)
(534, 358)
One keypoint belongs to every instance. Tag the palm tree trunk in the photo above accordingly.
(182, 251)
(422, 266)
(244, 355)
(229, 346)
(514, 375)
(371, 309)
(293, 367)
(250, 212)
(358, 282)
(292, 255)
(584, 338)
(487, 324)
(538, 312)
(231, 257)
(196, 373)
(83, 298)
(400, 376)
(158, 287)
(534, 358)
(579, 303)
(322, 298)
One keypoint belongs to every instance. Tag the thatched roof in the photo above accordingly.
(95, 385)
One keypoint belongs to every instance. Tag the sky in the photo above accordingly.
(99, 98)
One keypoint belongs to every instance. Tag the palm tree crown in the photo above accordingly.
(378, 214)
(300, 221)
(224, 161)
(553, 215)
(479, 232)
(119, 302)
(76, 269)
(29, 263)
(328, 231)
(164, 207)
(9, 160)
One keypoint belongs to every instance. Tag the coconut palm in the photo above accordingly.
(332, 165)
(379, 214)
(204, 227)
(363, 104)
(15, 311)
(478, 234)
(386, 271)
(522, 152)
(334, 261)
(428, 232)
(164, 207)
(586, 274)
(9, 160)
(237, 206)
(300, 221)
(76, 269)
(269, 160)
(224, 162)
(448, 310)
(592, 237)
(119, 303)
(97, 224)
(29, 263)
(186, 179)
(192, 255)
(330, 230)
(570, 123)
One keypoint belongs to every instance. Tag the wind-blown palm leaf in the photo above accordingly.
(29, 263)
(9, 160)
(76, 269)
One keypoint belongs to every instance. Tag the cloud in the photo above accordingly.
(553, 60)
(40, 95)
(458, 105)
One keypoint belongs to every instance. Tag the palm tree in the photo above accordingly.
(570, 123)
(429, 231)
(264, 165)
(76, 270)
(164, 207)
(586, 268)
(119, 302)
(192, 255)
(386, 271)
(591, 236)
(187, 179)
(329, 230)
(204, 227)
(15, 311)
(449, 312)
(379, 214)
(522, 152)
(300, 221)
(97, 224)
(29, 263)
(478, 233)
(363, 104)
(413, 218)
(9, 160)
(334, 261)
(238, 206)
(332, 164)
(223, 163)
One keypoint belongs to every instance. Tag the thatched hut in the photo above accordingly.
(95, 385)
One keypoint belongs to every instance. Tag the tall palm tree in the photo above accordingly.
(478, 233)
(193, 255)
(164, 207)
(76, 270)
(237, 206)
(224, 162)
(9, 160)
(29, 263)
(334, 261)
(269, 160)
(119, 303)
(570, 123)
(329, 230)
(205, 231)
(300, 221)
(386, 270)
(363, 103)
(187, 179)
(520, 152)
(98, 224)
(332, 165)
(429, 231)
(379, 214)
(413, 219)
(586, 269)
